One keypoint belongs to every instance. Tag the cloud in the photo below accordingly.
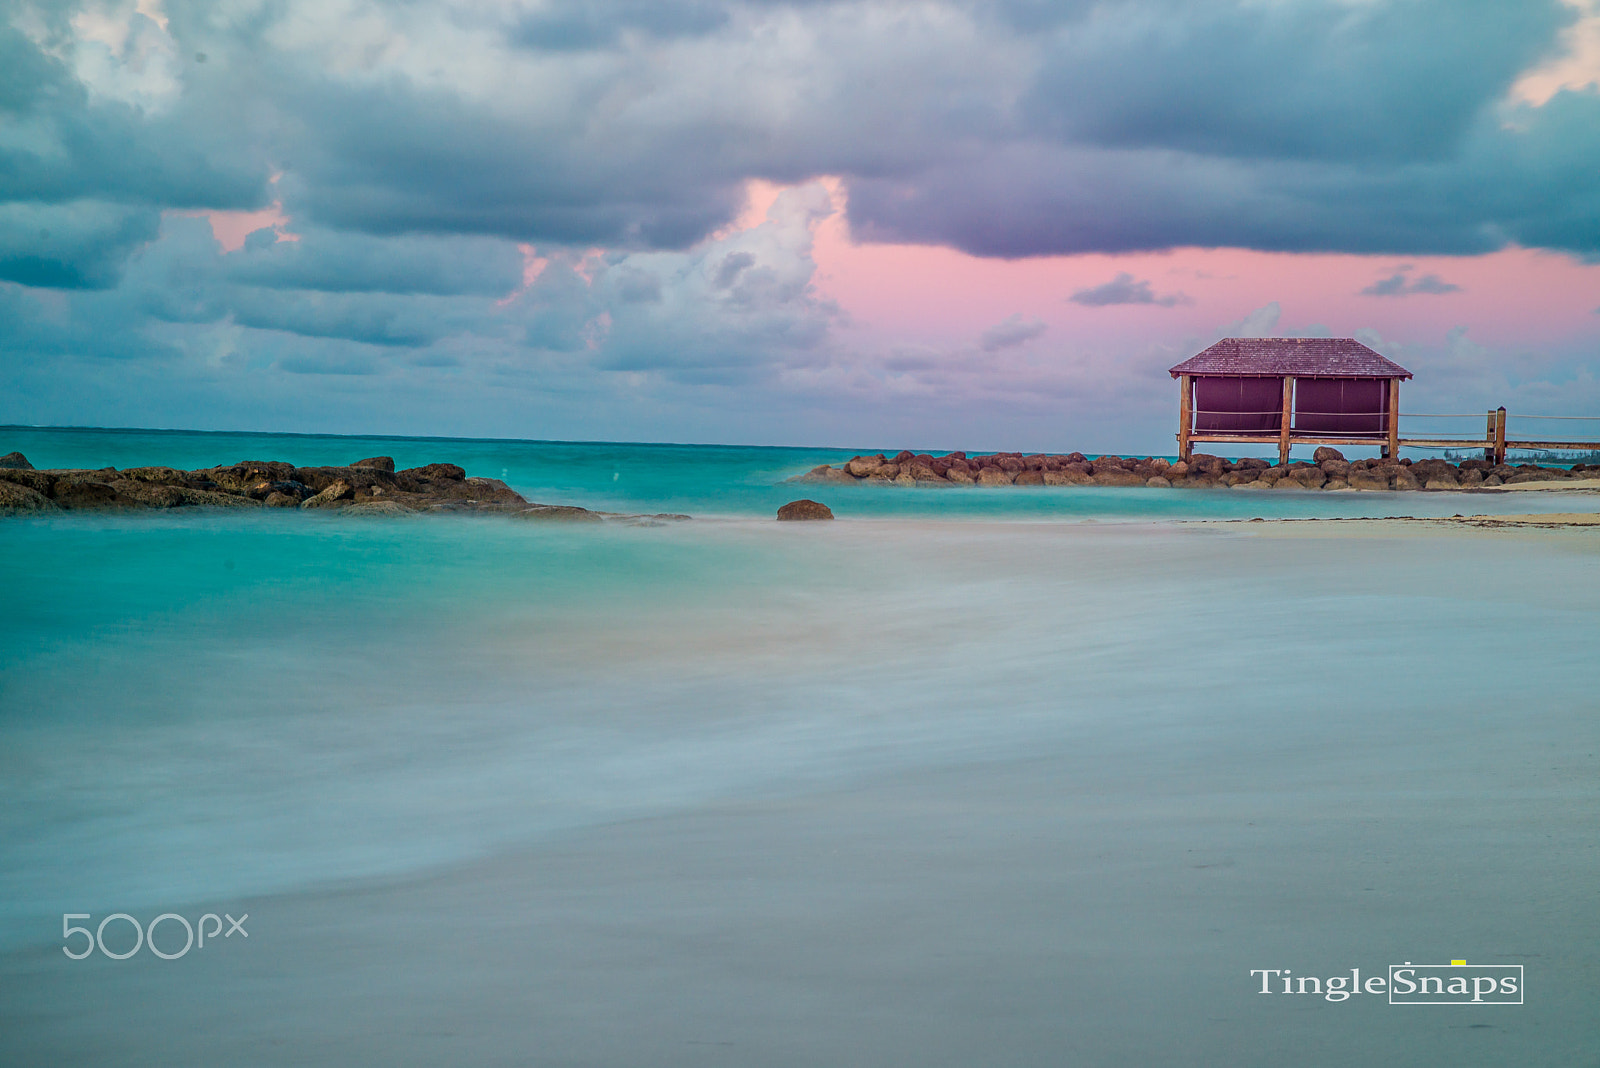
(1124, 289)
(420, 148)
(1010, 332)
(1260, 323)
(1400, 284)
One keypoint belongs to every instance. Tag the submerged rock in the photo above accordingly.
(804, 509)
(559, 513)
(15, 461)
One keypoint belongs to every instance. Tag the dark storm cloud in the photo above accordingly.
(1011, 129)
(80, 245)
(413, 146)
(1389, 81)
(337, 262)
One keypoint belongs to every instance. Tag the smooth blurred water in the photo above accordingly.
(198, 708)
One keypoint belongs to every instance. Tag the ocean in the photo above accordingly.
(1016, 776)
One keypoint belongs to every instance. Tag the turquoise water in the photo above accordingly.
(878, 791)
(714, 480)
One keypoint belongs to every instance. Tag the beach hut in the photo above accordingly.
(1289, 390)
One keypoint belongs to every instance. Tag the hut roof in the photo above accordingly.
(1301, 357)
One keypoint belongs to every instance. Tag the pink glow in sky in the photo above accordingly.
(1514, 298)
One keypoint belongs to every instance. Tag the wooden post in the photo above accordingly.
(1394, 419)
(1288, 415)
(1488, 439)
(1500, 435)
(1185, 416)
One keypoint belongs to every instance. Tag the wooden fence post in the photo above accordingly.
(1394, 419)
(1500, 435)
(1488, 439)
(1185, 416)
(1288, 414)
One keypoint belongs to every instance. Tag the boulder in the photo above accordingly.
(239, 477)
(904, 456)
(923, 471)
(1472, 476)
(994, 476)
(1066, 477)
(15, 461)
(1115, 476)
(200, 498)
(1178, 470)
(491, 489)
(379, 463)
(1325, 453)
(1012, 464)
(903, 479)
(1335, 484)
(1367, 479)
(149, 494)
(262, 490)
(803, 510)
(331, 497)
(1405, 480)
(86, 494)
(862, 466)
(169, 476)
(1335, 468)
(824, 473)
(1493, 480)
(1030, 478)
(17, 498)
(281, 500)
(434, 473)
(959, 475)
(1157, 482)
(1257, 484)
(41, 482)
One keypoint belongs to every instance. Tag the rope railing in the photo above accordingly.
(1582, 418)
(1493, 439)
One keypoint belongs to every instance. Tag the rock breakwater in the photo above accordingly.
(365, 487)
(1328, 470)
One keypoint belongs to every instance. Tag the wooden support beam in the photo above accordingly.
(1185, 416)
(1500, 435)
(1288, 415)
(1393, 448)
(1488, 439)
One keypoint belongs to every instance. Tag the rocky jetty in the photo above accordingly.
(365, 487)
(1328, 470)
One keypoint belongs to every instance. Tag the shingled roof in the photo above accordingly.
(1301, 357)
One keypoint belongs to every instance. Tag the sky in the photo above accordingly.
(879, 224)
